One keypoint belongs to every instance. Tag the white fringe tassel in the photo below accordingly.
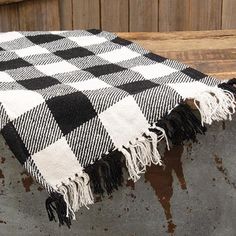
(143, 152)
(76, 193)
(215, 105)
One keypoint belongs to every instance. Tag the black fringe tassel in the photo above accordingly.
(230, 86)
(106, 173)
(56, 204)
(180, 125)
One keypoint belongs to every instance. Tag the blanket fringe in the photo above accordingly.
(180, 125)
(215, 105)
(143, 152)
(69, 198)
(56, 204)
(105, 174)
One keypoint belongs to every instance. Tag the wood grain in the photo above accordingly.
(174, 15)
(86, 14)
(39, 15)
(205, 15)
(9, 18)
(65, 12)
(143, 15)
(229, 14)
(212, 52)
(114, 15)
(2, 2)
(118, 15)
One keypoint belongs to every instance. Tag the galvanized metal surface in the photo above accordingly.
(195, 194)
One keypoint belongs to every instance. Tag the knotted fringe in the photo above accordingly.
(180, 125)
(69, 198)
(105, 174)
(56, 203)
(142, 153)
(215, 105)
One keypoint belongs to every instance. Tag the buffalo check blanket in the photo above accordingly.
(78, 106)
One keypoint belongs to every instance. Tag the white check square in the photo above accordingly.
(54, 162)
(10, 36)
(88, 40)
(56, 68)
(118, 55)
(124, 121)
(34, 50)
(188, 89)
(91, 84)
(4, 77)
(154, 71)
(17, 102)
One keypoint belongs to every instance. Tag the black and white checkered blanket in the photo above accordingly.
(74, 103)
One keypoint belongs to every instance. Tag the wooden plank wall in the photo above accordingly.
(118, 15)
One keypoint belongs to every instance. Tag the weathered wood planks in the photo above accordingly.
(212, 52)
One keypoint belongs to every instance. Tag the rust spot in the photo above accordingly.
(40, 189)
(171, 227)
(3, 222)
(223, 170)
(105, 229)
(1, 175)
(131, 195)
(130, 183)
(27, 181)
(3, 159)
(161, 180)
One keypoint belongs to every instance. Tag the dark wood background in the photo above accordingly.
(118, 15)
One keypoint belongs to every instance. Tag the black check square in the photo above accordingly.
(13, 64)
(137, 86)
(15, 142)
(73, 53)
(120, 41)
(71, 110)
(154, 57)
(104, 69)
(94, 31)
(194, 74)
(44, 38)
(39, 83)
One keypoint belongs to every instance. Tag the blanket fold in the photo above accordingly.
(78, 107)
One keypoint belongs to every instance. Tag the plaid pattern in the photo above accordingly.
(68, 97)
